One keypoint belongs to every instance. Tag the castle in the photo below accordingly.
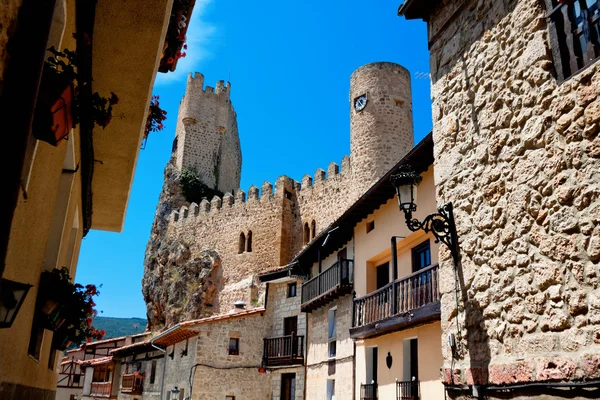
(201, 258)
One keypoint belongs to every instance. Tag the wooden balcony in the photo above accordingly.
(132, 383)
(101, 389)
(407, 390)
(408, 301)
(283, 350)
(368, 391)
(330, 284)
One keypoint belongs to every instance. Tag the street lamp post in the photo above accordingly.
(441, 224)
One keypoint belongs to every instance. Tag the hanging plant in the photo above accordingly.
(58, 107)
(67, 309)
(156, 116)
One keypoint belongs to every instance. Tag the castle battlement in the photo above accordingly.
(195, 83)
(265, 194)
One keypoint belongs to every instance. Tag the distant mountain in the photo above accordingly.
(116, 327)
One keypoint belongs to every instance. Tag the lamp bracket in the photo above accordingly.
(441, 224)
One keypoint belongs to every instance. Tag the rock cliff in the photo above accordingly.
(176, 286)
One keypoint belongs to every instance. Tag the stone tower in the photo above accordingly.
(381, 126)
(207, 139)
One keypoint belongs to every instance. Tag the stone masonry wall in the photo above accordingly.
(219, 374)
(518, 155)
(319, 367)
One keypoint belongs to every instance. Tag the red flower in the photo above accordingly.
(160, 126)
(185, 46)
(170, 60)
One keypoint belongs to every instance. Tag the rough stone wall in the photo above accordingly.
(382, 132)
(276, 382)
(177, 372)
(207, 135)
(319, 367)
(517, 153)
(219, 374)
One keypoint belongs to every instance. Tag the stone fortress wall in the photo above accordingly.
(517, 152)
(277, 216)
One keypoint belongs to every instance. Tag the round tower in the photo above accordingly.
(381, 125)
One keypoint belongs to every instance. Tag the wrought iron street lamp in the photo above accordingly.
(441, 224)
(12, 295)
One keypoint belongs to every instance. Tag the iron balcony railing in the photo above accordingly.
(408, 390)
(339, 275)
(101, 389)
(398, 297)
(368, 391)
(132, 383)
(283, 350)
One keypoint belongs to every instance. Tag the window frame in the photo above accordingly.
(416, 251)
(235, 350)
(291, 285)
(567, 62)
(332, 332)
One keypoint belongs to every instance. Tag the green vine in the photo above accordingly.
(194, 190)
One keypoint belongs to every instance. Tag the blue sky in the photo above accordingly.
(289, 64)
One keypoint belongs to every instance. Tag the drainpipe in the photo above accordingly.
(162, 382)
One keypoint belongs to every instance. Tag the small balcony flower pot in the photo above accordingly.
(54, 109)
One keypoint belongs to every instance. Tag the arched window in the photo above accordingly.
(313, 229)
(306, 233)
(242, 243)
(249, 243)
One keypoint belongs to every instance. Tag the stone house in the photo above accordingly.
(53, 194)
(284, 346)
(515, 87)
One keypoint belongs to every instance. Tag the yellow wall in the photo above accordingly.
(374, 248)
(430, 361)
(28, 251)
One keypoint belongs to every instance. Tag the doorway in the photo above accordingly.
(372, 359)
(288, 386)
(411, 368)
(290, 325)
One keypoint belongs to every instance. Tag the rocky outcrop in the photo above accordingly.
(176, 285)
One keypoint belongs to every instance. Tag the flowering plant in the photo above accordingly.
(63, 66)
(156, 116)
(176, 35)
(71, 317)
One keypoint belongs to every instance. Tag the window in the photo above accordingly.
(574, 34)
(313, 229)
(398, 102)
(76, 379)
(370, 226)
(287, 194)
(229, 397)
(234, 346)
(330, 389)
(182, 394)
(306, 233)
(249, 242)
(291, 290)
(242, 243)
(35, 339)
(331, 334)
(421, 256)
(153, 371)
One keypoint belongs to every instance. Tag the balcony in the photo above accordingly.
(100, 389)
(283, 350)
(132, 383)
(408, 390)
(330, 284)
(368, 391)
(409, 301)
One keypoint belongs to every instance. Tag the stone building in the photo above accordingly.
(54, 188)
(515, 114)
(249, 234)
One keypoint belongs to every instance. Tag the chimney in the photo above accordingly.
(239, 306)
